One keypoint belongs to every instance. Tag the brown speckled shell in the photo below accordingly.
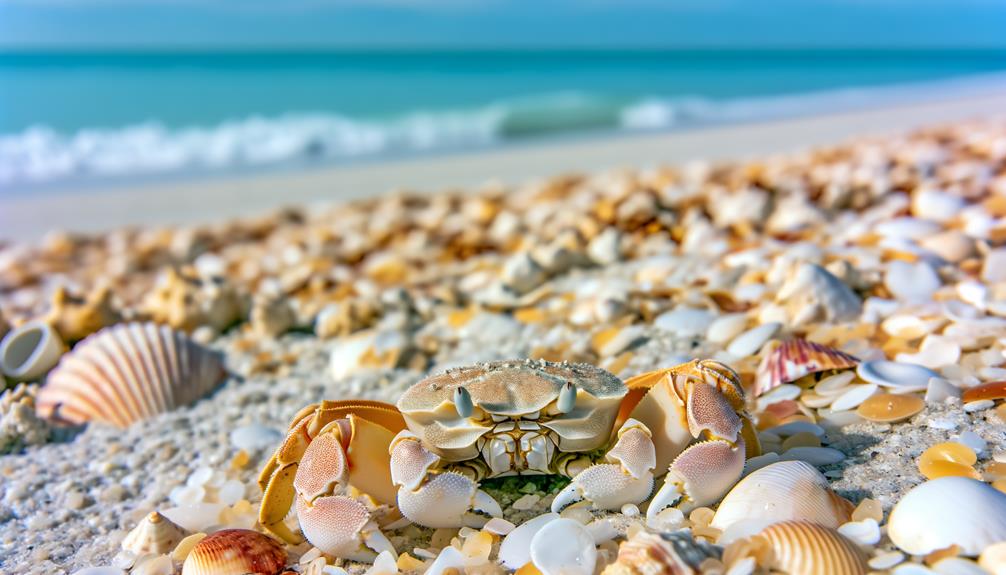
(235, 552)
(790, 360)
(661, 554)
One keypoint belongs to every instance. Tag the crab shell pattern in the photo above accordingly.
(344, 462)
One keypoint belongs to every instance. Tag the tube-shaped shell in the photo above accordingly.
(129, 372)
(662, 554)
(235, 552)
(28, 351)
(155, 534)
(948, 511)
(800, 547)
(783, 491)
(792, 359)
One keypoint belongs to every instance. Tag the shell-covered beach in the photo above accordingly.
(857, 291)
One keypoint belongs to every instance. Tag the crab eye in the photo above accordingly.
(463, 402)
(567, 398)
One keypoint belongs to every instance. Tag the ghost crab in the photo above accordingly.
(450, 431)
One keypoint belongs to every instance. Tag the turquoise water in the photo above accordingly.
(73, 115)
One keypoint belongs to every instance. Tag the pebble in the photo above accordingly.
(817, 456)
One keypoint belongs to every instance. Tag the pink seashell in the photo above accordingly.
(129, 372)
(789, 360)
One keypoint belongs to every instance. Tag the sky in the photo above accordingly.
(502, 23)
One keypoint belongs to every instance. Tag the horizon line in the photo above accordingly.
(457, 48)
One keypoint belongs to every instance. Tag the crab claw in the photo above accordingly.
(699, 476)
(628, 479)
(342, 526)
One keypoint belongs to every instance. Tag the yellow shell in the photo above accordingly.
(129, 372)
(235, 552)
(661, 554)
(790, 360)
(155, 534)
(800, 548)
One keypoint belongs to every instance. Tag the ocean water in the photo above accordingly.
(79, 117)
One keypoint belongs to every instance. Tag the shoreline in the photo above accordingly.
(203, 201)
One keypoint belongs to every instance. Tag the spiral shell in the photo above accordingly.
(235, 552)
(129, 372)
(790, 360)
(155, 534)
(662, 554)
(783, 491)
(800, 547)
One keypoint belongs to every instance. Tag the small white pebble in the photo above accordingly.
(187, 495)
(231, 492)
(498, 526)
(199, 477)
(980, 405)
(886, 560)
(630, 510)
(667, 520)
(974, 441)
(255, 437)
(818, 456)
(526, 502)
(941, 423)
(912, 569)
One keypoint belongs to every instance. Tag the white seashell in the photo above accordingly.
(384, 564)
(564, 547)
(906, 326)
(813, 294)
(974, 441)
(896, 376)
(684, 321)
(794, 427)
(951, 245)
(934, 352)
(912, 282)
(973, 292)
(912, 569)
(835, 420)
(936, 205)
(726, 327)
(498, 526)
(856, 395)
(449, 558)
(994, 266)
(817, 456)
(99, 571)
(515, 550)
(886, 560)
(138, 370)
(752, 340)
(980, 405)
(865, 532)
(784, 491)
(907, 228)
(255, 437)
(948, 511)
(958, 566)
(198, 517)
(28, 351)
(939, 390)
(993, 559)
(154, 534)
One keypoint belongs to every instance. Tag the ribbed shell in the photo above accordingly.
(790, 360)
(783, 491)
(129, 372)
(155, 534)
(235, 552)
(801, 548)
(661, 554)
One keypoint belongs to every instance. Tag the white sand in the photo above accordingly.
(25, 216)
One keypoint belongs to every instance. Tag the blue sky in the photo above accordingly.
(606, 23)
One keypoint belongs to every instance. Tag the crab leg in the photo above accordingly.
(627, 477)
(436, 497)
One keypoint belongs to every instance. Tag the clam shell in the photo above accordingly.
(129, 372)
(900, 377)
(155, 534)
(564, 547)
(800, 547)
(948, 511)
(783, 491)
(235, 552)
(790, 360)
(674, 553)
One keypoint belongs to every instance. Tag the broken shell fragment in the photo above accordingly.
(564, 547)
(154, 534)
(674, 553)
(800, 547)
(129, 372)
(790, 360)
(28, 351)
(811, 294)
(235, 552)
(948, 511)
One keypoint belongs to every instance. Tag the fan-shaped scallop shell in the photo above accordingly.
(790, 360)
(129, 372)
(800, 548)
(783, 491)
(235, 552)
(662, 554)
(155, 534)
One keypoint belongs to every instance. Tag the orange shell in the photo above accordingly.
(792, 359)
(235, 552)
(991, 390)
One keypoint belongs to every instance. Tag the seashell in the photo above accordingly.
(948, 511)
(936, 205)
(129, 372)
(907, 228)
(935, 352)
(28, 351)
(674, 553)
(154, 534)
(784, 491)
(684, 321)
(752, 340)
(900, 377)
(800, 547)
(993, 559)
(854, 396)
(812, 294)
(793, 359)
(726, 327)
(564, 547)
(994, 266)
(950, 245)
(235, 552)
(912, 282)
(514, 551)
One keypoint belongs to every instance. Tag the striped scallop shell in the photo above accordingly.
(235, 552)
(155, 534)
(790, 360)
(129, 372)
(800, 547)
(783, 491)
(662, 554)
